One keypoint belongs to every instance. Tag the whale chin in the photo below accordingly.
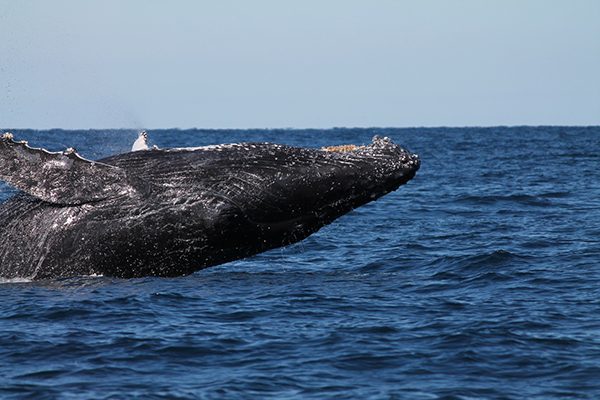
(171, 212)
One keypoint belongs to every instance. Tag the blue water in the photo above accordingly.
(479, 279)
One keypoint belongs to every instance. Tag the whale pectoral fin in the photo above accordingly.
(60, 178)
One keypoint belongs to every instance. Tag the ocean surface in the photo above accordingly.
(479, 279)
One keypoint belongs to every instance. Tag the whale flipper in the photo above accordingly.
(63, 178)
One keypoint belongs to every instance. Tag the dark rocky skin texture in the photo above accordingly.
(175, 211)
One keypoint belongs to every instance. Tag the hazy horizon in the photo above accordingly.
(310, 65)
(291, 128)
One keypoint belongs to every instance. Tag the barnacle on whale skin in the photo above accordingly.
(343, 148)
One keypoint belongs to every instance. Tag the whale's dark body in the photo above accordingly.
(172, 212)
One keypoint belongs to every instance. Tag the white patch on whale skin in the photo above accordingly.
(60, 164)
(216, 147)
(141, 142)
(15, 280)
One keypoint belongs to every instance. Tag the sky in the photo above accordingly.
(298, 64)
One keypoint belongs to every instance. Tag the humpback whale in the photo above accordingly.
(171, 212)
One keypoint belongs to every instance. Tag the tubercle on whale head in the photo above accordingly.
(388, 157)
(8, 136)
(379, 146)
(391, 166)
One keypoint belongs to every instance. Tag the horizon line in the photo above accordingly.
(307, 128)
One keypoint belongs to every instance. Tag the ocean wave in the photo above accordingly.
(519, 199)
(486, 260)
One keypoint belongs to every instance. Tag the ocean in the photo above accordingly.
(479, 279)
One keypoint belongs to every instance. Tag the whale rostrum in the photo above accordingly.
(170, 212)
